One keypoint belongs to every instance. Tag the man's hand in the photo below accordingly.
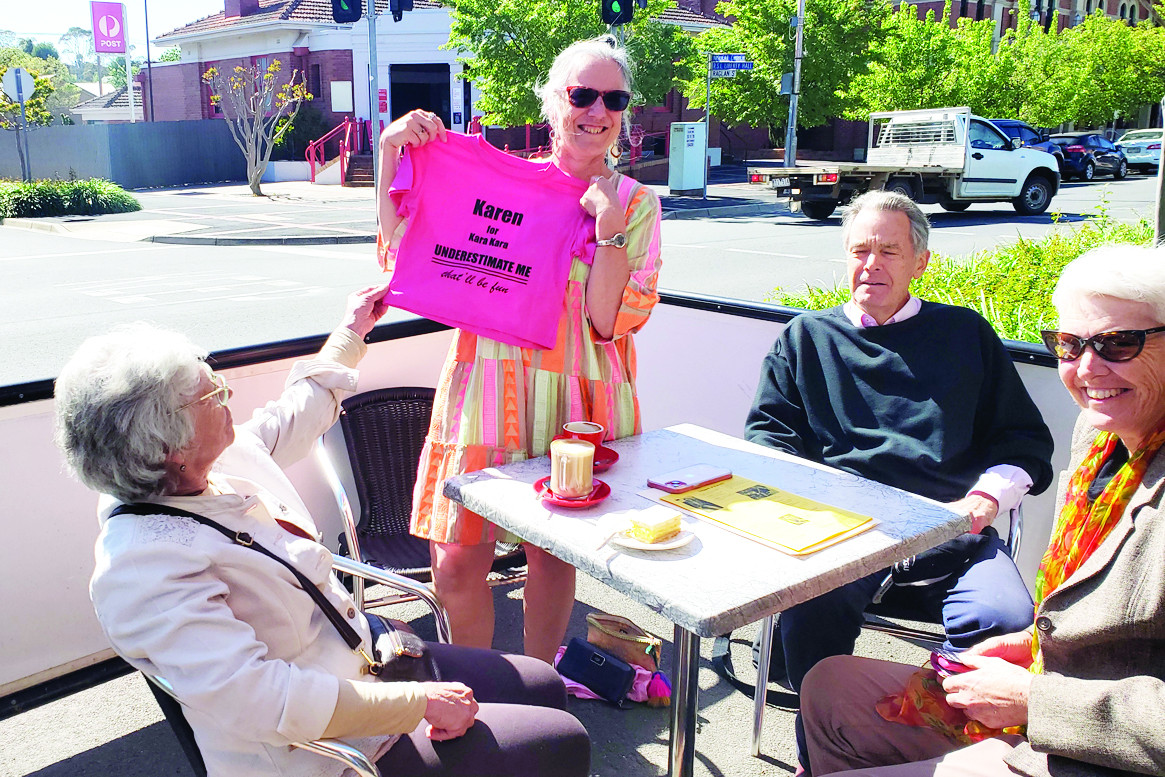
(1013, 648)
(365, 308)
(450, 710)
(995, 692)
(982, 510)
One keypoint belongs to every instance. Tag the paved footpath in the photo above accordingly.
(298, 212)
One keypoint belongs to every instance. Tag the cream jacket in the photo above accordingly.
(252, 657)
(1099, 707)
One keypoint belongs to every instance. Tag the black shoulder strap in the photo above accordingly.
(242, 538)
(722, 663)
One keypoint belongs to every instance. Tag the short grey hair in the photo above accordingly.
(889, 201)
(552, 91)
(1122, 270)
(116, 403)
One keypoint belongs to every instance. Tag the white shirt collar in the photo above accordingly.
(861, 319)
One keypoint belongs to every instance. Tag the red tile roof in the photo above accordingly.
(118, 98)
(320, 12)
(310, 11)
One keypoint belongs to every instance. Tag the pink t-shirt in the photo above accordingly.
(489, 240)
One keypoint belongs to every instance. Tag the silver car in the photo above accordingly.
(1143, 148)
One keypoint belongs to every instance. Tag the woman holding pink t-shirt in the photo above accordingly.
(497, 403)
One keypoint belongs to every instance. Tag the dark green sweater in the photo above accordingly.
(925, 405)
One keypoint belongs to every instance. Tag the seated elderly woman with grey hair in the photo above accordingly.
(256, 663)
(1082, 692)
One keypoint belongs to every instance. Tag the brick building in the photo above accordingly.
(1061, 13)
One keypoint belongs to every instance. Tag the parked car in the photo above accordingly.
(1087, 154)
(1029, 136)
(1142, 148)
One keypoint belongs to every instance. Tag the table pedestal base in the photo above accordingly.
(685, 699)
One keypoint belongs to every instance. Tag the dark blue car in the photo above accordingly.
(1031, 137)
(1087, 154)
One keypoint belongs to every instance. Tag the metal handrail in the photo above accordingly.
(315, 149)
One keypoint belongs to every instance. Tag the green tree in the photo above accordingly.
(255, 102)
(45, 51)
(76, 47)
(55, 93)
(172, 54)
(116, 71)
(508, 46)
(839, 36)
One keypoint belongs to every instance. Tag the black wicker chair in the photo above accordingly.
(384, 431)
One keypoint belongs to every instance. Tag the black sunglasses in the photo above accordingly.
(1119, 346)
(585, 96)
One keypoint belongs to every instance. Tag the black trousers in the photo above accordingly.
(522, 728)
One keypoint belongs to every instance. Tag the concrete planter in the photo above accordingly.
(287, 171)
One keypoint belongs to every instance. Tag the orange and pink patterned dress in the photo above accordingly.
(499, 403)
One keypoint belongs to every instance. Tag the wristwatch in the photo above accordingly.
(618, 241)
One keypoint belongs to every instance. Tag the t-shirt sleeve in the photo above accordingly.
(403, 195)
(643, 258)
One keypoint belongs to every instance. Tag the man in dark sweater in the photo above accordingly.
(917, 395)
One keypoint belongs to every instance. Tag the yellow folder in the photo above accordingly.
(769, 515)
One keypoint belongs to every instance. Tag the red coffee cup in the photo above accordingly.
(585, 430)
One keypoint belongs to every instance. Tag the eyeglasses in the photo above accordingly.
(585, 96)
(1119, 346)
(221, 390)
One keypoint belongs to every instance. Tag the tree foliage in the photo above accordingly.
(76, 47)
(254, 102)
(172, 54)
(53, 95)
(839, 36)
(507, 46)
(1086, 74)
(116, 70)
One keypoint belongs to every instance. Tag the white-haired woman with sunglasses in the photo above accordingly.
(255, 661)
(1082, 692)
(588, 376)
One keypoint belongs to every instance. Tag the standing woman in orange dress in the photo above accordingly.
(499, 403)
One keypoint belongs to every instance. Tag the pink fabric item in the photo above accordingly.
(638, 690)
(489, 240)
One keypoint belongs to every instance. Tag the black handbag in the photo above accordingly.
(397, 655)
(608, 676)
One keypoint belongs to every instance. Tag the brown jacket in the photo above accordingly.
(1099, 707)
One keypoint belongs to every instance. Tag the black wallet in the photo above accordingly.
(608, 676)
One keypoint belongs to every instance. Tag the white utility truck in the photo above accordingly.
(943, 155)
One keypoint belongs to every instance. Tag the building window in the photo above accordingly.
(1088, 8)
(314, 82)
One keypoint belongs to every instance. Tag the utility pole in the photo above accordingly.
(798, 54)
(373, 94)
(1159, 226)
(149, 61)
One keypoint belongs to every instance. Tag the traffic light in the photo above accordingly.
(347, 11)
(398, 8)
(616, 12)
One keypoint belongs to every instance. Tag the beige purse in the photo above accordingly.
(620, 637)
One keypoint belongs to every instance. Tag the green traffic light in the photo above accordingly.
(344, 5)
(616, 7)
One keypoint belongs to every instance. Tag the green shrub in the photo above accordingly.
(90, 197)
(1011, 286)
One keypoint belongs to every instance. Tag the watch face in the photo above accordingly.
(619, 241)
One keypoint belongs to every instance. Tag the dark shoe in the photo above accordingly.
(777, 673)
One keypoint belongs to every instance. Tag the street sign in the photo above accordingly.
(18, 84)
(732, 66)
(108, 27)
(729, 58)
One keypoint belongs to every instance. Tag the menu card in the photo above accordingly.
(779, 519)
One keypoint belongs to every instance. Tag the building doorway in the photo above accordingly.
(420, 86)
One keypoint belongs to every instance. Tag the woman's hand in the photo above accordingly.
(415, 128)
(450, 710)
(994, 692)
(365, 308)
(1013, 648)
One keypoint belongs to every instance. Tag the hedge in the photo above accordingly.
(91, 197)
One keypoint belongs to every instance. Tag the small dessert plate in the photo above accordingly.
(600, 492)
(605, 458)
(680, 540)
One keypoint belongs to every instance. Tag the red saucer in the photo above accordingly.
(600, 492)
(605, 458)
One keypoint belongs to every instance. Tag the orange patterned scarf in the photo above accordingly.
(1080, 528)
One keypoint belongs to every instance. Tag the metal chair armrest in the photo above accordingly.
(332, 476)
(344, 753)
(400, 583)
(1015, 531)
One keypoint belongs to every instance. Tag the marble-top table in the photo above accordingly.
(720, 581)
